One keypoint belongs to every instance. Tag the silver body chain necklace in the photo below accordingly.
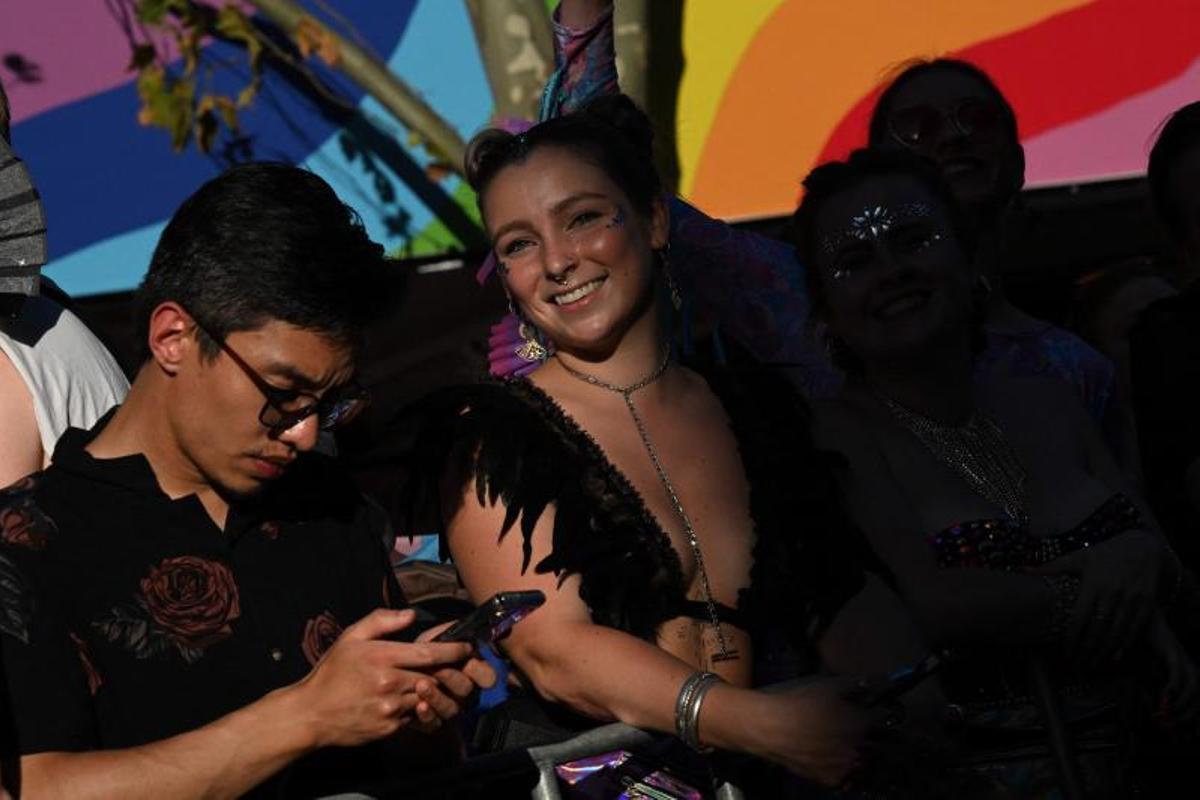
(978, 451)
(626, 393)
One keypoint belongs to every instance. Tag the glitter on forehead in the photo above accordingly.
(872, 222)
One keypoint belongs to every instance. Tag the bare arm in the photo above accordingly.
(569, 659)
(224, 759)
(1141, 556)
(363, 689)
(611, 675)
(20, 442)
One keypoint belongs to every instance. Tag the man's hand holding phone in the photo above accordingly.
(366, 687)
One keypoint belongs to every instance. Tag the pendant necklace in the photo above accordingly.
(626, 393)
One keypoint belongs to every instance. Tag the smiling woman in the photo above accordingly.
(654, 500)
(1000, 515)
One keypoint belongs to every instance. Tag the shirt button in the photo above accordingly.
(276, 654)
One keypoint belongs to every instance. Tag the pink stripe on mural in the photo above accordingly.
(77, 46)
(1113, 142)
(79, 50)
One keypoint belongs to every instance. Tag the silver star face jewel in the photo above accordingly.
(871, 223)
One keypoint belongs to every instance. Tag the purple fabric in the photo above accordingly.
(585, 65)
(1054, 353)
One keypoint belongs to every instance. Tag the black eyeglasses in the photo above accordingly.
(287, 408)
(918, 126)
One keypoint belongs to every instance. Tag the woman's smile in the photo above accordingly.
(579, 296)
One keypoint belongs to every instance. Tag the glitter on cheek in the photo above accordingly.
(618, 219)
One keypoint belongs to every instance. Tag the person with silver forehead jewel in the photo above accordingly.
(993, 506)
(54, 372)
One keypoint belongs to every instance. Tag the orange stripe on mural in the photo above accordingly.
(811, 62)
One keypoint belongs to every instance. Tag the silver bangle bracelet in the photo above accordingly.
(687, 706)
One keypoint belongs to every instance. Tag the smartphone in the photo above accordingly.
(495, 618)
(905, 679)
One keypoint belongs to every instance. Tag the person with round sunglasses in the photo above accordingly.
(951, 112)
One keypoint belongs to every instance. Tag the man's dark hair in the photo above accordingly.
(260, 243)
(611, 132)
(1179, 134)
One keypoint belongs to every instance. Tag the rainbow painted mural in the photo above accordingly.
(771, 88)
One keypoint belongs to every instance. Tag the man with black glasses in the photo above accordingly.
(191, 602)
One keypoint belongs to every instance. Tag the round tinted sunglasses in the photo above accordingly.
(919, 126)
(286, 408)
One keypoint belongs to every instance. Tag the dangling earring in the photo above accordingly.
(664, 257)
(531, 348)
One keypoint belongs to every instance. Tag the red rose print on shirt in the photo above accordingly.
(192, 599)
(23, 524)
(319, 635)
(187, 601)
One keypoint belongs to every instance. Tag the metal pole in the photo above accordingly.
(1056, 730)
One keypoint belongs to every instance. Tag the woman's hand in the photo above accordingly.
(1118, 593)
(815, 730)
(1181, 692)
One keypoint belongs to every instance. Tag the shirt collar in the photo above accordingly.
(129, 472)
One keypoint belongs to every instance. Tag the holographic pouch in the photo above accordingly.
(622, 775)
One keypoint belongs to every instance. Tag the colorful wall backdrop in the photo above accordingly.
(770, 88)
(774, 87)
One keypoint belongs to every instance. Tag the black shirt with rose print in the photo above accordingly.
(127, 617)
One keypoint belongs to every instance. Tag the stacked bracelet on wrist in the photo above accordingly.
(1066, 592)
(687, 707)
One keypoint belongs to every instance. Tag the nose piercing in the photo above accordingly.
(561, 280)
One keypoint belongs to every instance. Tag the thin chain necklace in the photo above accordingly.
(626, 393)
(978, 451)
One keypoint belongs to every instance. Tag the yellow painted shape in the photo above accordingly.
(821, 57)
(715, 35)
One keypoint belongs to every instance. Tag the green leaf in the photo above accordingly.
(228, 111)
(167, 103)
(234, 24)
(152, 12)
(246, 95)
